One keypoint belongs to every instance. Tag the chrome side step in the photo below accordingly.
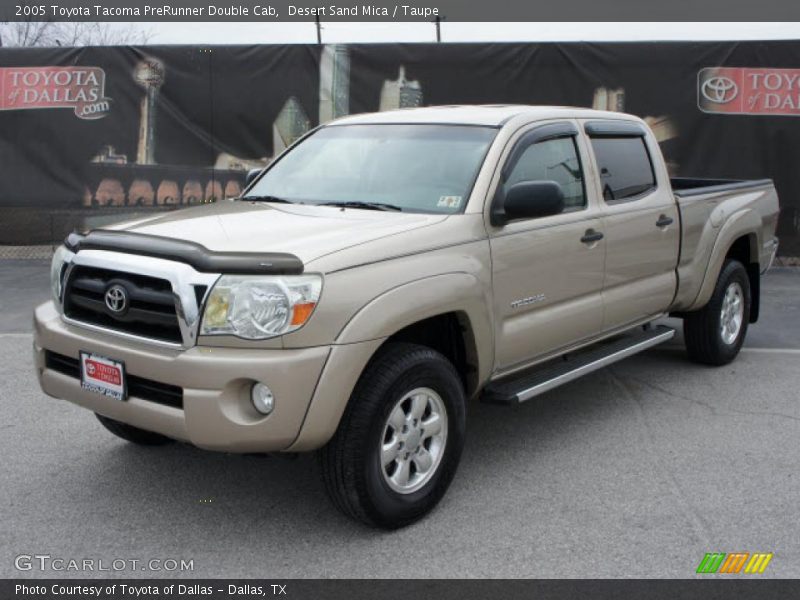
(523, 387)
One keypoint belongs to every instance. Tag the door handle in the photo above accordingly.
(663, 221)
(591, 236)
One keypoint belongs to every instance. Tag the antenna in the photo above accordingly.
(438, 22)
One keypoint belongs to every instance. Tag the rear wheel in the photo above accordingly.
(715, 334)
(133, 434)
(399, 442)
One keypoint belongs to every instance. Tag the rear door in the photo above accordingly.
(547, 271)
(641, 222)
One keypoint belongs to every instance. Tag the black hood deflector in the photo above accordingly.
(199, 257)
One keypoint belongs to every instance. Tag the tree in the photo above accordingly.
(28, 33)
(52, 33)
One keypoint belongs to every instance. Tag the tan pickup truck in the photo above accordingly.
(386, 269)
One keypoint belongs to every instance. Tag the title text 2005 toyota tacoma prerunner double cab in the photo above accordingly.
(388, 268)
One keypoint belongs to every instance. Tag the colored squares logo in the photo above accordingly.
(734, 562)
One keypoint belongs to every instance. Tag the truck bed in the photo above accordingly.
(705, 205)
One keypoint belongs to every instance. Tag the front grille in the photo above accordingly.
(146, 389)
(151, 303)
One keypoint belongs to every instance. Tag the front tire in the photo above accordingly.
(399, 442)
(132, 434)
(715, 334)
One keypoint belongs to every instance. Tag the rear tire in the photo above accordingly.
(715, 334)
(133, 434)
(382, 467)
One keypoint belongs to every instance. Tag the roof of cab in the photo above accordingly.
(491, 115)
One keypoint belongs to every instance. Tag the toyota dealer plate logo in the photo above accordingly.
(749, 91)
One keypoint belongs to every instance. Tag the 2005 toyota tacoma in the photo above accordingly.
(386, 269)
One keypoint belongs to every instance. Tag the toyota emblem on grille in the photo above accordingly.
(116, 299)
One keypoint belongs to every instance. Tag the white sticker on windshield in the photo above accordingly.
(449, 201)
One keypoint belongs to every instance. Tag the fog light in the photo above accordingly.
(262, 398)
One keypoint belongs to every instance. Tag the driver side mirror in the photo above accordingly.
(529, 200)
(251, 175)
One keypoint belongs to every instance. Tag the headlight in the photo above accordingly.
(257, 308)
(60, 258)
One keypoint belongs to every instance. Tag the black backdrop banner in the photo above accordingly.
(94, 135)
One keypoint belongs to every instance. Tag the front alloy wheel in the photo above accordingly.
(399, 441)
(414, 440)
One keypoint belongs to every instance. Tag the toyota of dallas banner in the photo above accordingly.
(89, 136)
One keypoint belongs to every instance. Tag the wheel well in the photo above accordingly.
(451, 335)
(745, 250)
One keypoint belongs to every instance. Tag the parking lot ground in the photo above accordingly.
(636, 470)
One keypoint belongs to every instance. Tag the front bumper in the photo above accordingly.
(216, 413)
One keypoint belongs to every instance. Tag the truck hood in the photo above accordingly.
(309, 232)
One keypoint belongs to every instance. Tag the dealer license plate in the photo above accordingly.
(103, 375)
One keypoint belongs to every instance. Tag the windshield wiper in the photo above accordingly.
(266, 199)
(365, 205)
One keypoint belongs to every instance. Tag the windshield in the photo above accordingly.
(414, 168)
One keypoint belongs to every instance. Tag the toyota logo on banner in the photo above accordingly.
(719, 89)
(749, 91)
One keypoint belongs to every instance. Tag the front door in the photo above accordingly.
(547, 271)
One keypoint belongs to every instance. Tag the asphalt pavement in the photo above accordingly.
(637, 470)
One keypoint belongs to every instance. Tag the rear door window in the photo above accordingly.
(626, 171)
